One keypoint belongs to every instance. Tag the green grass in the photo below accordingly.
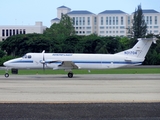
(107, 71)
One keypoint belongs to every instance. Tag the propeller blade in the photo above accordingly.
(44, 62)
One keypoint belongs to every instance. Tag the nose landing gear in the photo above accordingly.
(6, 75)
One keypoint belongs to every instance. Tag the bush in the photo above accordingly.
(4, 59)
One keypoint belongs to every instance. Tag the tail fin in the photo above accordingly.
(140, 49)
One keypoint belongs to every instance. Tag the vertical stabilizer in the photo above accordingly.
(140, 49)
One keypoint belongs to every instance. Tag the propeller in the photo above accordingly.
(43, 61)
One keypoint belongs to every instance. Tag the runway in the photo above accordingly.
(108, 88)
(83, 97)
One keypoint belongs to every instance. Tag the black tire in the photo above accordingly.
(6, 75)
(70, 75)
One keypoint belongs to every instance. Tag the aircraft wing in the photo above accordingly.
(64, 64)
(68, 64)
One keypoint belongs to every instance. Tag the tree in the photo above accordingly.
(61, 30)
(139, 27)
(67, 25)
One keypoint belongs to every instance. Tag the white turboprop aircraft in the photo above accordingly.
(69, 61)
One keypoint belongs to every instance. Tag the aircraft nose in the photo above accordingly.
(5, 64)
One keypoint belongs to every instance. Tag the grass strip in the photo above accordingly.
(106, 71)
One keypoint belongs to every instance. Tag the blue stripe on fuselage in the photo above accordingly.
(23, 61)
(87, 62)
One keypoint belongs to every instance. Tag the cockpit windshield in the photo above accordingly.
(27, 56)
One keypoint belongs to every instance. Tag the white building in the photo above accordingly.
(84, 22)
(152, 18)
(9, 30)
(112, 23)
(108, 22)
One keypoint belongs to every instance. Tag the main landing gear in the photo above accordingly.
(70, 74)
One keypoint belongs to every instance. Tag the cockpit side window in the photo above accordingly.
(25, 56)
(29, 56)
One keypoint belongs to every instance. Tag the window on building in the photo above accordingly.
(122, 21)
(10, 32)
(73, 20)
(155, 26)
(101, 20)
(122, 27)
(88, 32)
(7, 32)
(110, 20)
(155, 31)
(113, 20)
(155, 19)
(20, 31)
(83, 20)
(101, 32)
(13, 31)
(88, 27)
(95, 20)
(88, 20)
(121, 31)
(76, 20)
(129, 20)
(80, 21)
(147, 20)
(3, 39)
(116, 20)
(151, 20)
(106, 20)
(101, 27)
(17, 32)
(24, 31)
(3, 32)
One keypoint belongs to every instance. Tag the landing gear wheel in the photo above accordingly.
(70, 75)
(6, 75)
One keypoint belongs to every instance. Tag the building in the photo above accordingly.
(152, 18)
(112, 23)
(9, 30)
(108, 22)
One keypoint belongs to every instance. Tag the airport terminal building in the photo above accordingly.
(106, 23)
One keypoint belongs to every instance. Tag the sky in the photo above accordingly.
(27, 12)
